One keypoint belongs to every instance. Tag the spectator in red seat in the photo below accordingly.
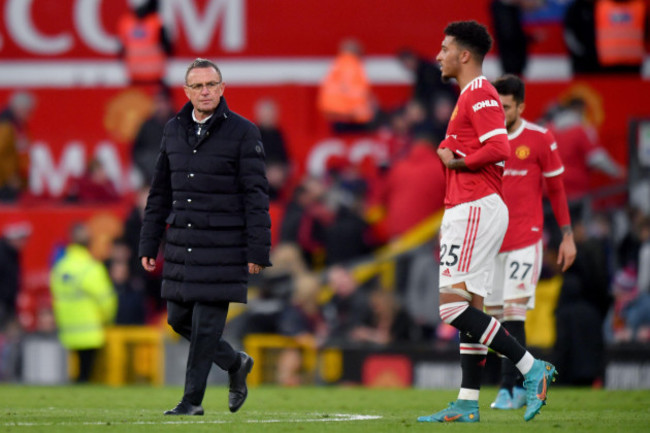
(93, 187)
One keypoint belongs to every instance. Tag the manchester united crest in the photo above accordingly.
(522, 152)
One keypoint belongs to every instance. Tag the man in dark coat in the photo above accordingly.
(210, 188)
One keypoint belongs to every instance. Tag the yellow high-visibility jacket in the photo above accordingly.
(84, 299)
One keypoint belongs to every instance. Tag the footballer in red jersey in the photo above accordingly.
(534, 161)
(474, 225)
(477, 133)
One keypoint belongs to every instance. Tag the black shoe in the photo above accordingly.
(238, 390)
(185, 408)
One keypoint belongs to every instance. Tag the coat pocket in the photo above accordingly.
(226, 221)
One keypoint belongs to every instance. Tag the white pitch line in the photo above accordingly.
(339, 417)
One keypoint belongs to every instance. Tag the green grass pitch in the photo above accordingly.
(308, 409)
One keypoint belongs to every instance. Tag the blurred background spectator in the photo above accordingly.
(84, 300)
(145, 44)
(581, 153)
(348, 308)
(606, 35)
(512, 41)
(388, 322)
(580, 36)
(582, 306)
(415, 188)
(628, 319)
(131, 300)
(13, 240)
(93, 187)
(427, 80)
(149, 137)
(14, 145)
(303, 321)
(140, 280)
(278, 165)
(345, 96)
(621, 32)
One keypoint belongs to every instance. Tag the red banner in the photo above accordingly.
(83, 29)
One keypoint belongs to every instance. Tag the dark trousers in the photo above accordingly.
(86, 364)
(201, 323)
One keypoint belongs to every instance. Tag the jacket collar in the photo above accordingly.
(222, 112)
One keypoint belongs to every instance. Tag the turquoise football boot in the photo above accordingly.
(457, 411)
(503, 400)
(536, 382)
(518, 397)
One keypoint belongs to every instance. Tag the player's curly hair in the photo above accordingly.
(472, 36)
(510, 84)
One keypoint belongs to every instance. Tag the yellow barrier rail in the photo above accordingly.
(132, 354)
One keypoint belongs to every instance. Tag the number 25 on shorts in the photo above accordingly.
(449, 254)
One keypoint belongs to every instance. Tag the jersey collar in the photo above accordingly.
(481, 77)
(519, 130)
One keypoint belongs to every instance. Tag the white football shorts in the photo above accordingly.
(516, 275)
(470, 238)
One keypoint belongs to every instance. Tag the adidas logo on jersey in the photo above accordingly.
(483, 104)
(446, 273)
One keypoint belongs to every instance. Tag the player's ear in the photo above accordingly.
(521, 108)
(465, 56)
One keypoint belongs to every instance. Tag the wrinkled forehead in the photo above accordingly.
(207, 73)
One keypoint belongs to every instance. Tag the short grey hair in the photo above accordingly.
(202, 63)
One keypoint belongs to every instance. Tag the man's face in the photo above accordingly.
(204, 88)
(512, 109)
(449, 58)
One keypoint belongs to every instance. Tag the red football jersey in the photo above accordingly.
(477, 117)
(533, 156)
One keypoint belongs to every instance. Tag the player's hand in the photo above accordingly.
(148, 263)
(448, 159)
(445, 155)
(566, 254)
(254, 268)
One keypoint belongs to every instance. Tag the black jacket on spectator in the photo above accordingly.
(9, 281)
(212, 192)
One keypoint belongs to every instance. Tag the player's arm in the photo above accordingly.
(552, 169)
(495, 149)
(488, 120)
(492, 152)
(557, 196)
